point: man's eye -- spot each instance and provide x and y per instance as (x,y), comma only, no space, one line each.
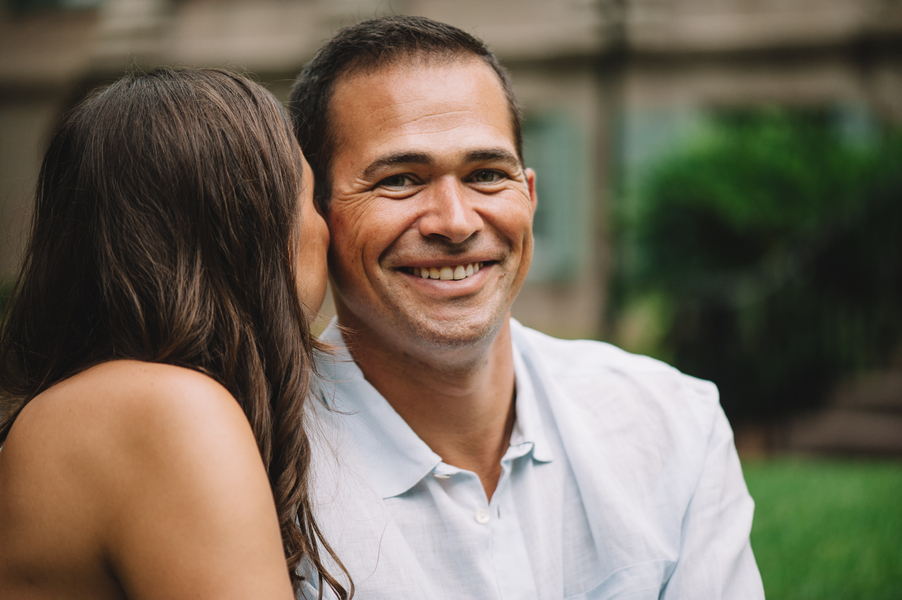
(487,176)
(396,181)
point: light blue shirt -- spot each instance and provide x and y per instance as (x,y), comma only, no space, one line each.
(621,481)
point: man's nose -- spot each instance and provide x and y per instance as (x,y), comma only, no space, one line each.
(449,214)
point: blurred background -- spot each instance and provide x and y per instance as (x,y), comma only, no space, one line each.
(720,186)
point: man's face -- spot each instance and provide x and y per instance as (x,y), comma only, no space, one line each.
(431,210)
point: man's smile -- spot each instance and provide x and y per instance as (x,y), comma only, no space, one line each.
(446,272)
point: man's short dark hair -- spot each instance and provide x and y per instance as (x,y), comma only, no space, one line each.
(368,46)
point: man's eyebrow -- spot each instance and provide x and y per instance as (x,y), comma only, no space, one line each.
(393,160)
(493,154)
(422,158)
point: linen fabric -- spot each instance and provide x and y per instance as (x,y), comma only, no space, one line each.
(621,481)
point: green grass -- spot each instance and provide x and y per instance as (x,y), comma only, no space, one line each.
(827,529)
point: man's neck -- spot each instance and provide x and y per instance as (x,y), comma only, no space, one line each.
(462,409)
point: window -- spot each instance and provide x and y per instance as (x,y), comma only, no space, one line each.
(553,148)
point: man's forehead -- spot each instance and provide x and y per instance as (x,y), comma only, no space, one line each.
(401,69)
(372,101)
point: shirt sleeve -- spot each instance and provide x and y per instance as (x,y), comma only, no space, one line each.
(716,559)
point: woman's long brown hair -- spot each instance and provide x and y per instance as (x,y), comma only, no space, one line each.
(166,224)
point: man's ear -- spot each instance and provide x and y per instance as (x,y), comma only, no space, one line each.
(531,184)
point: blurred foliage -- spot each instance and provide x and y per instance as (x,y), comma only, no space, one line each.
(767,257)
(827,529)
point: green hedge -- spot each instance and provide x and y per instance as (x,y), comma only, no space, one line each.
(770,251)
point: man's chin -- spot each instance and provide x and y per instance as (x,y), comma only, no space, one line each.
(423,332)
(456,334)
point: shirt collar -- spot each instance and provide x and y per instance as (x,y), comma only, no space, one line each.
(529,427)
(394,456)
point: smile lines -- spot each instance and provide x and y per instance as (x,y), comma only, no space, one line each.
(447,273)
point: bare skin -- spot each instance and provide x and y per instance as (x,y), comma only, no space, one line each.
(426,176)
(469,414)
(137,480)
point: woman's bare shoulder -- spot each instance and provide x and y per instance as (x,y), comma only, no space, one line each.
(112,407)
(107,428)
(110,462)
(124,385)
(121,418)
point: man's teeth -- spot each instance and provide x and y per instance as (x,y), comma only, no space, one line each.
(447,273)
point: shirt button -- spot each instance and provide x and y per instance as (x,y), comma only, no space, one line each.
(482,516)
(441,475)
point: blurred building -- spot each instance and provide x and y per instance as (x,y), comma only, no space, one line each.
(604,83)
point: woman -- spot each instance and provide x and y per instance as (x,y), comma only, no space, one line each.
(157,355)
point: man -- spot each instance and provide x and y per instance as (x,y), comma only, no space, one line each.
(467,456)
